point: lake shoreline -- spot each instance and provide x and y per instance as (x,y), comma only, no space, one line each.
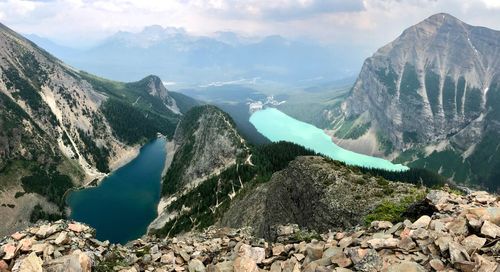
(278,126)
(133,190)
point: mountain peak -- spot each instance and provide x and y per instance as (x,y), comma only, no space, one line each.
(440,19)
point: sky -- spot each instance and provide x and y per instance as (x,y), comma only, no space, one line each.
(81,23)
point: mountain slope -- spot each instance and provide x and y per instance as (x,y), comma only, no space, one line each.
(319,194)
(432,94)
(215,177)
(206,144)
(61,128)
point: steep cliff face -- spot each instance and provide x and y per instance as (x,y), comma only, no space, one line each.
(155,88)
(315,193)
(61,128)
(206,144)
(433,89)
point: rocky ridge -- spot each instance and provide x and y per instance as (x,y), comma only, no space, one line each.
(62,128)
(430,96)
(320,194)
(463,235)
(205,144)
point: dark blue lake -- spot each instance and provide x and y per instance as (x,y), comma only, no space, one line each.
(124,204)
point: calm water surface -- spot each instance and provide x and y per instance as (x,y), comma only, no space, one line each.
(124,204)
(277,126)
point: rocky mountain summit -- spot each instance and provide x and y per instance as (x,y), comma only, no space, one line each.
(462,235)
(431,94)
(319,194)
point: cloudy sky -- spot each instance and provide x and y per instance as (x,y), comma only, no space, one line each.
(372,22)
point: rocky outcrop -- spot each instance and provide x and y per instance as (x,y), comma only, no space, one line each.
(318,193)
(157,89)
(433,89)
(206,143)
(460,236)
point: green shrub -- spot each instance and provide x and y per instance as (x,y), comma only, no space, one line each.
(392,211)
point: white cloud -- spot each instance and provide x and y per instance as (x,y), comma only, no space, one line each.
(493,4)
(370,23)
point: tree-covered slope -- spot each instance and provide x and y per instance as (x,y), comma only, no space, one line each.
(199,192)
(61,128)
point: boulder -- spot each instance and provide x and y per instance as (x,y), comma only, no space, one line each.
(406,244)
(9,250)
(77,262)
(32,263)
(341,260)
(406,267)
(332,251)
(484,264)
(458,254)
(394,228)
(285,230)
(458,226)
(62,238)
(383,243)
(196,265)
(490,230)
(345,242)
(422,222)
(437,265)
(472,243)
(46,230)
(437,197)
(443,243)
(18,236)
(278,249)
(314,251)
(77,227)
(226,266)
(275,267)
(245,264)
(381,225)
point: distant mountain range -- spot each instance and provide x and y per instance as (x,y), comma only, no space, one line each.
(431,99)
(188,61)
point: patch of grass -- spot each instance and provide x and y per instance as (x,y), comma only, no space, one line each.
(111,260)
(393,211)
(307,236)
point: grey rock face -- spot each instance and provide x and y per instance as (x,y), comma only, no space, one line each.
(318,194)
(431,81)
(213,144)
(436,84)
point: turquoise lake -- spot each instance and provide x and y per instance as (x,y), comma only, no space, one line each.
(277,126)
(124,204)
